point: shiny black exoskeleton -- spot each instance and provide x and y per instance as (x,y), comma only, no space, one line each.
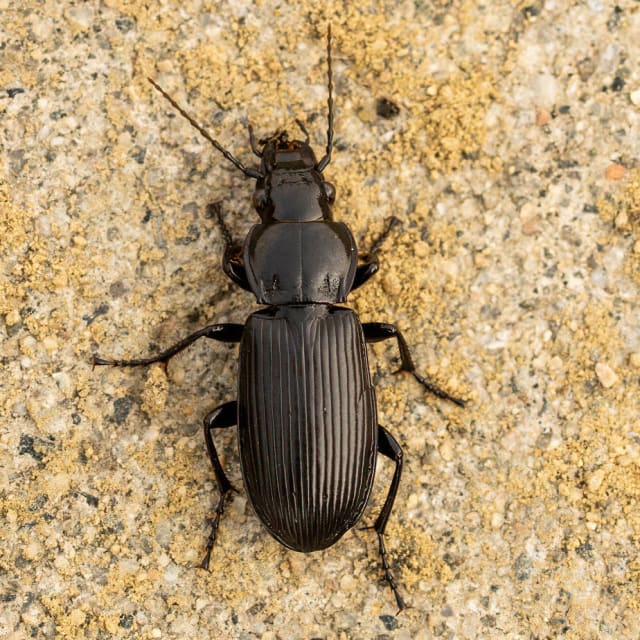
(306,412)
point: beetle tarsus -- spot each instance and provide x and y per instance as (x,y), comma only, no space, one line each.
(388,576)
(388,446)
(437,391)
(389,224)
(431,387)
(368,260)
(215,524)
(214,209)
(221,417)
(222,332)
(97,361)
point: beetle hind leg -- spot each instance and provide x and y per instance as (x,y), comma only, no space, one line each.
(221,417)
(389,447)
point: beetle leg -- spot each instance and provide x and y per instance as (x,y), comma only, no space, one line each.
(222,417)
(377,331)
(232,262)
(369,259)
(252,141)
(223,332)
(389,447)
(365,270)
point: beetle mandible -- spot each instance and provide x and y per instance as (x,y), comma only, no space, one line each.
(308,435)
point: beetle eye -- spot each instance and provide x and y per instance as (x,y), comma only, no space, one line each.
(330,192)
(259,199)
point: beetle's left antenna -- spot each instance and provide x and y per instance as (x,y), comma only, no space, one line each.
(251,173)
(327,157)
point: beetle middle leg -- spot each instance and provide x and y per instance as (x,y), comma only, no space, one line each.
(222,417)
(226,332)
(389,447)
(377,331)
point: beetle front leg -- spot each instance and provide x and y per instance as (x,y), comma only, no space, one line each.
(369,260)
(377,331)
(389,447)
(222,332)
(222,417)
(364,271)
(232,262)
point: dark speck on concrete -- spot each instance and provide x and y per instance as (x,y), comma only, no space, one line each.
(100,311)
(26,447)
(386,108)
(390,622)
(585,550)
(488,621)
(126,621)
(121,409)
(92,501)
(124,24)
(617,84)
(138,154)
(523,566)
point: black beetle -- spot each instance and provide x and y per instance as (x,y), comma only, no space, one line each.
(306,412)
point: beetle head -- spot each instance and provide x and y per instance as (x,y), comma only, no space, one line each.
(291,187)
(278,152)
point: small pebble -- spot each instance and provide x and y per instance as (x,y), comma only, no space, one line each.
(50,343)
(615,172)
(542,117)
(622,220)
(595,480)
(32,615)
(33,551)
(635,97)
(606,375)
(76,618)
(450,143)
(13,317)
(446,451)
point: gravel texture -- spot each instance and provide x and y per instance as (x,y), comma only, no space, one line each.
(504,135)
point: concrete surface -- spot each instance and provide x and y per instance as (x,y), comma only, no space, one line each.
(513,164)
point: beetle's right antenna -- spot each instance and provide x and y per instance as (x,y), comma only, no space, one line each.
(327,157)
(251,173)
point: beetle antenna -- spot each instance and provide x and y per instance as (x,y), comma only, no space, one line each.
(251,173)
(327,158)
